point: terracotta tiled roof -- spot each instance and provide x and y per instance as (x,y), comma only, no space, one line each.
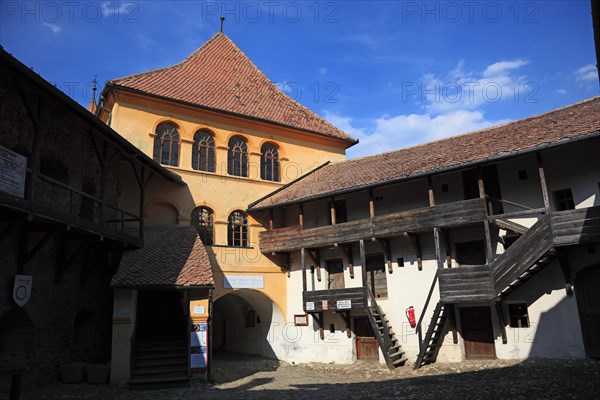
(571,122)
(172,255)
(221,77)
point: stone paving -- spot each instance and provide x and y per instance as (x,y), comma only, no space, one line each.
(249,377)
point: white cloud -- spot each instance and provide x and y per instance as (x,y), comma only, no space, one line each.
(503,67)
(53,27)
(395,132)
(586,74)
(561,91)
(117,7)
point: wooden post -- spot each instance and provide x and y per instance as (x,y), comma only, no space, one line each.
(363,262)
(543,181)
(486,224)
(302,259)
(315,261)
(271,219)
(301,215)
(438,250)
(371,204)
(430,189)
(332,210)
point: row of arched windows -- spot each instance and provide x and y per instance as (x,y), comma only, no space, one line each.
(166,152)
(237,227)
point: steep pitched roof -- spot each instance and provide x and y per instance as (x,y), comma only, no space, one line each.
(172,255)
(562,125)
(219,76)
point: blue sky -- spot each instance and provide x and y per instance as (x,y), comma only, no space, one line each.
(391,73)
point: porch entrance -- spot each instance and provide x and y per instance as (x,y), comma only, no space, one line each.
(477,332)
(367,348)
(588,302)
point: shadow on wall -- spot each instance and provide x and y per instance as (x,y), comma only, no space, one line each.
(245,321)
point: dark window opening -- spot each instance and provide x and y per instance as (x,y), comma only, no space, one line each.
(203,152)
(202,220)
(518,315)
(269,162)
(376,277)
(237,229)
(250,319)
(471,253)
(444,187)
(522,174)
(166,144)
(341,213)
(400,261)
(55,169)
(237,157)
(332,328)
(564,200)
(87,206)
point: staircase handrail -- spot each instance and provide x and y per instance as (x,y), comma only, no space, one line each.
(386,331)
(419,329)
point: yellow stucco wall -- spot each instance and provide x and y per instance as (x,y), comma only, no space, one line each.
(136,117)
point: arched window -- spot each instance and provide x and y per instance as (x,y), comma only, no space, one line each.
(237,229)
(237,157)
(166,144)
(203,152)
(202,220)
(269,162)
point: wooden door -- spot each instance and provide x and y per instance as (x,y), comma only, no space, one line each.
(477,332)
(335,270)
(367,347)
(376,277)
(588,301)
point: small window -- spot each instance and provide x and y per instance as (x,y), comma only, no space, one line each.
(300,320)
(203,152)
(237,157)
(522,175)
(518,315)
(202,220)
(166,144)
(400,261)
(269,162)
(564,200)
(238,229)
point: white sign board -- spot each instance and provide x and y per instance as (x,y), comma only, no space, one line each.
(310,306)
(13,168)
(199,345)
(243,282)
(344,304)
(198,309)
(22,289)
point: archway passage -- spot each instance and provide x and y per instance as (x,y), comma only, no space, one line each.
(588,302)
(248,322)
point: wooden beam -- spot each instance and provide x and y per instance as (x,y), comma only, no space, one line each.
(270,219)
(453,326)
(489,256)
(302,263)
(346,317)
(301,215)
(438,251)
(430,190)
(416,245)
(542,175)
(384,244)
(332,210)
(318,317)
(346,252)
(315,259)
(446,242)
(371,204)
(563,260)
(363,261)
(480,184)
(501,323)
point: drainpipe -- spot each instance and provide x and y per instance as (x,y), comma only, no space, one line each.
(210,336)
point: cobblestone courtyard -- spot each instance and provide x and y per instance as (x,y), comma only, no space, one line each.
(247,377)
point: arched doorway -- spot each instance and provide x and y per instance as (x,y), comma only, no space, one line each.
(249,322)
(588,302)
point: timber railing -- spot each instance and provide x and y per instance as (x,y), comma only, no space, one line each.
(419,327)
(383,226)
(383,337)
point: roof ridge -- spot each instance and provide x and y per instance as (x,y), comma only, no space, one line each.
(174,66)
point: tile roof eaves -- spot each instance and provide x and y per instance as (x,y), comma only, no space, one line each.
(160,286)
(350,139)
(352,189)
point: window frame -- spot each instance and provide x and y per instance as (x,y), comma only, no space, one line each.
(270,164)
(207,234)
(563,199)
(238,234)
(173,141)
(204,151)
(237,157)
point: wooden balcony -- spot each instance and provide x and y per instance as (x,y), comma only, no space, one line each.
(530,253)
(335,300)
(384,226)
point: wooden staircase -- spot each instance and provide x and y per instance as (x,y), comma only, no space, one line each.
(434,337)
(389,344)
(160,361)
